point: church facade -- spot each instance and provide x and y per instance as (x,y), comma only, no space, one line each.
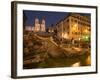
(39,26)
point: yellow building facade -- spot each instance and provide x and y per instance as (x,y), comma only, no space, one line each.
(74,26)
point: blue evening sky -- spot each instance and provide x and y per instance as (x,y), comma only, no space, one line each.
(50,17)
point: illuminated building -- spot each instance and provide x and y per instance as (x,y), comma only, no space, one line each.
(39,26)
(28,28)
(74,26)
(36,25)
(42,25)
